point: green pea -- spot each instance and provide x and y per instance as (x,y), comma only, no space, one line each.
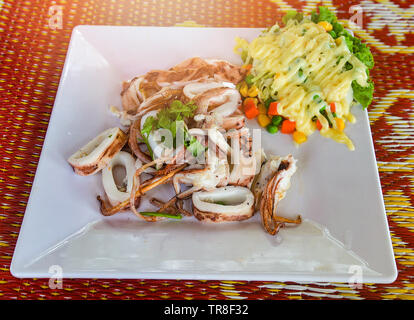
(272,128)
(249,79)
(277,120)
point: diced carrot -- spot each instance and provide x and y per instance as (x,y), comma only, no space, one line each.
(250,109)
(273,109)
(288,126)
(251,112)
(333,107)
(250,101)
(318,125)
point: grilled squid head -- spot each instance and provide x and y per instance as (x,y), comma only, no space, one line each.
(97,153)
(223,204)
(270,167)
(270,188)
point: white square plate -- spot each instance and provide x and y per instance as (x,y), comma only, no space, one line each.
(334,189)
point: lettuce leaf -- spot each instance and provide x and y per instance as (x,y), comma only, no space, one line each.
(324,15)
(363,95)
(292,14)
(363,53)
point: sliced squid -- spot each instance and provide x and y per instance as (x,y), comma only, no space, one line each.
(223,204)
(117,194)
(194,89)
(222,101)
(214,135)
(97,153)
(245,169)
(159,100)
(131,95)
(214,174)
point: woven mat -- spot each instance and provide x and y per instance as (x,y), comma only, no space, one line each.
(31,60)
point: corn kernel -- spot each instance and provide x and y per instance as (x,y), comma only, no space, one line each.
(263,120)
(340,124)
(262,108)
(299,137)
(253,91)
(326,25)
(244,89)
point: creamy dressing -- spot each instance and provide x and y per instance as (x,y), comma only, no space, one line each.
(303,66)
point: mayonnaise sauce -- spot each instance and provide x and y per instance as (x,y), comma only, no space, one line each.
(303,66)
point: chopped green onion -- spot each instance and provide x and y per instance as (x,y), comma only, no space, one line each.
(161,214)
(348,66)
(317,99)
(325,114)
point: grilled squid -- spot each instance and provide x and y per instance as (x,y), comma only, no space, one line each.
(131,95)
(97,153)
(192,90)
(117,194)
(223,204)
(222,101)
(246,160)
(214,174)
(270,188)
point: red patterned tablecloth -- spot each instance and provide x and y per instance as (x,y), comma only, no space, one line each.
(31,61)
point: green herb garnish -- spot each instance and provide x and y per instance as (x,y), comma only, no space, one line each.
(172,119)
